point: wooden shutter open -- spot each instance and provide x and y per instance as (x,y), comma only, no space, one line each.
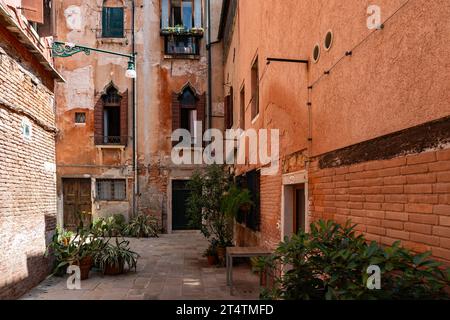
(33,10)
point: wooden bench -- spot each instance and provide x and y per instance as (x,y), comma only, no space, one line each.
(241,252)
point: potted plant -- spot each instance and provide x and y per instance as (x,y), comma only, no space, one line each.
(211,254)
(143,226)
(114,259)
(73,249)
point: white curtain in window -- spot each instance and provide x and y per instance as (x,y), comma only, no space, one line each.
(119,190)
(104,190)
(192,126)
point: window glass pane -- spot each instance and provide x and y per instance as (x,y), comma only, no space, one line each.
(181,45)
(112,22)
(80,117)
(104,189)
(198,13)
(176,19)
(119,190)
(187,14)
(164,13)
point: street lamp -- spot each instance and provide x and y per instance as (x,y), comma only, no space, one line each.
(131,71)
(67,49)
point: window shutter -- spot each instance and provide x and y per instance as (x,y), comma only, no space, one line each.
(124,118)
(33,10)
(198,13)
(201,108)
(227,111)
(46,29)
(112,22)
(98,121)
(164,14)
(176,113)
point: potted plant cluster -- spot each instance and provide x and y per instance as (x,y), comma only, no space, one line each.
(99,245)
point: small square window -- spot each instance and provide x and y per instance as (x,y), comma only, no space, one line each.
(80,117)
(111,190)
(27,129)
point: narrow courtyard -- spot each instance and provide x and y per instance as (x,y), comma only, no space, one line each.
(170,267)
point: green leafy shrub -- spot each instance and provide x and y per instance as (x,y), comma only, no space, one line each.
(70,248)
(109,227)
(213,203)
(143,226)
(331,263)
(117,256)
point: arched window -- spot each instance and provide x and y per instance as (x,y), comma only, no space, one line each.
(188,103)
(187,108)
(112,19)
(111,117)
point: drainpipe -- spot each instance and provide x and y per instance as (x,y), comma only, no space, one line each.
(208,47)
(135,157)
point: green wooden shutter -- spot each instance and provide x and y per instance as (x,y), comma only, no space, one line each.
(112,22)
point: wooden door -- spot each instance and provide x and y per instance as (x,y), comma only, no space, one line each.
(77,203)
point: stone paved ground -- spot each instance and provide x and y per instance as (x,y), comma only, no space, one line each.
(170,267)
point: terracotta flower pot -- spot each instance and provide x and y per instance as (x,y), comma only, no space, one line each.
(114,270)
(85,265)
(221,251)
(212,260)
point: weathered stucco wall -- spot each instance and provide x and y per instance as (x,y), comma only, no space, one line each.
(158,77)
(394,80)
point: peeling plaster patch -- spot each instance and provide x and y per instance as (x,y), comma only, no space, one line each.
(185,68)
(105,60)
(218,109)
(74,19)
(79,88)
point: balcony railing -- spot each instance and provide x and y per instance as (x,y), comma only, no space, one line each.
(111,140)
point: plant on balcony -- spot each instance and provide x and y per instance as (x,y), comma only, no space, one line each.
(331,262)
(142,226)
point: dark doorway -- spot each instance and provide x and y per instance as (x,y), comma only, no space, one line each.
(299,209)
(77,203)
(180,194)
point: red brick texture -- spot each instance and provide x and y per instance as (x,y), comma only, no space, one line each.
(405,198)
(27,178)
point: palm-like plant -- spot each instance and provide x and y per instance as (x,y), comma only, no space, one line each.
(116,257)
(143,226)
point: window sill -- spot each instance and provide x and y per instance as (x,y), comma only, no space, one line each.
(186,33)
(110,146)
(109,201)
(182,56)
(121,41)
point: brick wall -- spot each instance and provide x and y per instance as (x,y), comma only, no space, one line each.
(406,198)
(27,179)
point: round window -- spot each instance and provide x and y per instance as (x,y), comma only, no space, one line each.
(316,53)
(328,40)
